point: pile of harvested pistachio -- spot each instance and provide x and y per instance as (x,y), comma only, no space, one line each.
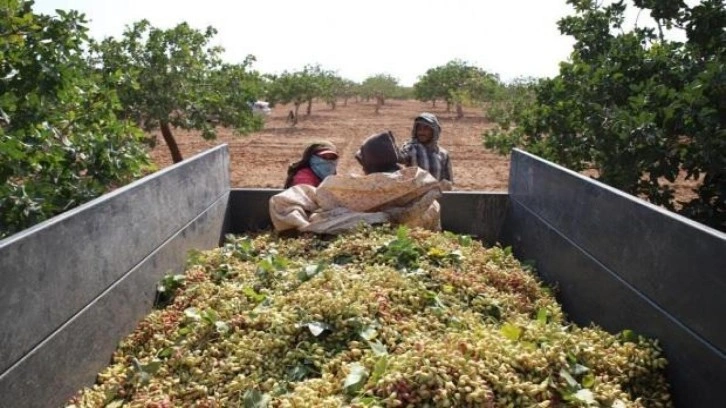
(377,317)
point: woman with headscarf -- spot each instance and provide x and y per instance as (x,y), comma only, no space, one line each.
(319,160)
(423,149)
(384,194)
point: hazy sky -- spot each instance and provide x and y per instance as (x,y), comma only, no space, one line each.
(357,38)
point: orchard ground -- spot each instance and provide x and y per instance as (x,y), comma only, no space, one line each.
(260,159)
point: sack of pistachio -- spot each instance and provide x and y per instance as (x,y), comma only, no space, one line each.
(377,317)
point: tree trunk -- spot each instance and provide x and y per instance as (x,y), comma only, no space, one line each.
(433,104)
(297,108)
(448,106)
(176,155)
(345,101)
(379,102)
(459,111)
(334,103)
(310,107)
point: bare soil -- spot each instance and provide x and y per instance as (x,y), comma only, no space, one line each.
(260,159)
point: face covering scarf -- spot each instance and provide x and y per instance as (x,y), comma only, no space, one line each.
(322,167)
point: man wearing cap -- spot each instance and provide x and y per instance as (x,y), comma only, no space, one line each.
(423,149)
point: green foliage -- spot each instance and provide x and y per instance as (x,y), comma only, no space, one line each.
(61,143)
(510,98)
(402,252)
(174,77)
(637,108)
(482,334)
(380,87)
(457,83)
(304,86)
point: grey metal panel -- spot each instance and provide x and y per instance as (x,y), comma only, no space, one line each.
(51,271)
(590,292)
(623,263)
(250,210)
(678,263)
(474,213)
(73,355)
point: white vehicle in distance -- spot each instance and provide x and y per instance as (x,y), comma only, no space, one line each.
(261,108)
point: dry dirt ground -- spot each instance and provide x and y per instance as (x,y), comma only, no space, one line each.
(260,159)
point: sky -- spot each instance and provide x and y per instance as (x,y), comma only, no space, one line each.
(357,39)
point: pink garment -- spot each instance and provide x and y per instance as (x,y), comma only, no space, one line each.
(305,176)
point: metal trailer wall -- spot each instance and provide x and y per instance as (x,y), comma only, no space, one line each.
(475,213)
(73,286)
(625,264)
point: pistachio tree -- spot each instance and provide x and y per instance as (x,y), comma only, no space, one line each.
(175,78)
(61,142)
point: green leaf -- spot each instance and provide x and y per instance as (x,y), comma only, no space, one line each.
(210,316)
(585,396)
(579,369)
(252,295)
(465,240)
(152,367)
(298,372)
(588,381)
(166,352)
(368,401)
(309,271)
(378,348)
(511,331)
(355,379)
(628,336)
(569,379)
(542,315)
(317,328)
(369,333)
(255,399)
(379,369)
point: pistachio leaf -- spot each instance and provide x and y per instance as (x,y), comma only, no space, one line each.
(317,328)
(511,331)
(255,399)
(309,271)
(369,333)
(628,335)
(542,315)
(585,396)
(569,379)
(379,369)
(378,348)
(355,379)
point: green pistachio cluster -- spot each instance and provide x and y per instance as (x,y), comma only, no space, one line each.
(378,317)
